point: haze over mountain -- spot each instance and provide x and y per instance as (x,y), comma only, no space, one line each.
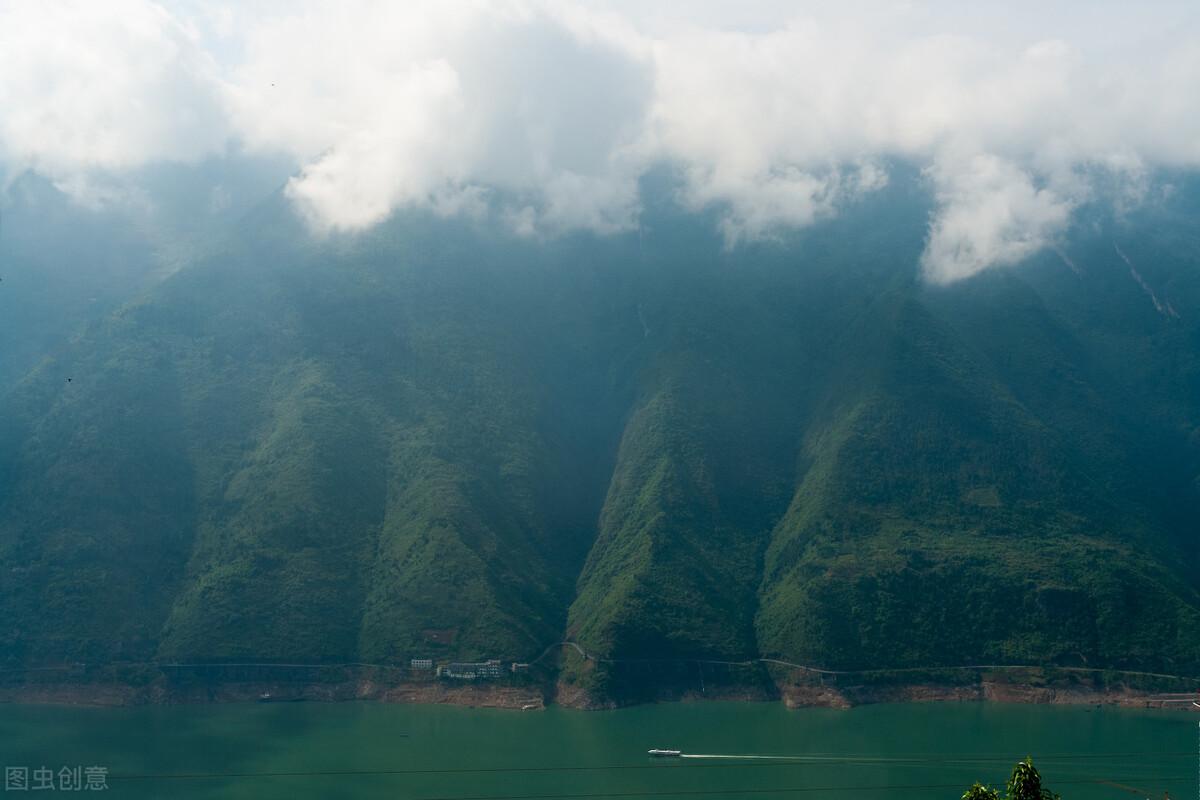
(477,352)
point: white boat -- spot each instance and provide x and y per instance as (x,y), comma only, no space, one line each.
(665,753)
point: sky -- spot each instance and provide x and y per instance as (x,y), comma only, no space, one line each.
(546,114)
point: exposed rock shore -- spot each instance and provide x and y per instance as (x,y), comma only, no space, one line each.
(484,695)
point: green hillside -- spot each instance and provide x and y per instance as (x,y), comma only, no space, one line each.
(438,439)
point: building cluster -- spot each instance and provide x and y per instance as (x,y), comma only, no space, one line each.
(469,670)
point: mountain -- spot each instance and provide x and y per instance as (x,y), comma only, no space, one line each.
(439,439)
(68,262)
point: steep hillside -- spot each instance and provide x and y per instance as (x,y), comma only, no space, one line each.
(439,439)
(941,520)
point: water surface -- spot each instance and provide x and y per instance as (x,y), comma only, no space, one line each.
(353,750)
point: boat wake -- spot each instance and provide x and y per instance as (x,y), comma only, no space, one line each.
(741,757)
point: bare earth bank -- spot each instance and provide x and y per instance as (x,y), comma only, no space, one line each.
(528,698)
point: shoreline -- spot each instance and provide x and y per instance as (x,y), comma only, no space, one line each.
(265,692)
(539,696)
(984,692)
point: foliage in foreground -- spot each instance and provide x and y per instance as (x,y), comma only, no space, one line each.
(1025,783)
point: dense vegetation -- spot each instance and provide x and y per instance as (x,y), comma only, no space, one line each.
(1025,783)
(436,439)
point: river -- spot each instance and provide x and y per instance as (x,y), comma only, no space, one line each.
(357,750)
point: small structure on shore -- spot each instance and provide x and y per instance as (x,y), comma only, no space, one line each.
(421,663)
(471,670)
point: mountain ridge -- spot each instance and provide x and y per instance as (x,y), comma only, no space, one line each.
(435,439)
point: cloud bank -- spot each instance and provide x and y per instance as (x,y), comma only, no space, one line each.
(87,88)
(547,114)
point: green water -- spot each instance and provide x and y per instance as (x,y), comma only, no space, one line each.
(353,750)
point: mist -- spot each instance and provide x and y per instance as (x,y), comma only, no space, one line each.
(547,115)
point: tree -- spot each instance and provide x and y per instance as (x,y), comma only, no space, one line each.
(980,792)
(1026,783)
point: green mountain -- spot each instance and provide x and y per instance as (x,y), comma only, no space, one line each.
(438,439)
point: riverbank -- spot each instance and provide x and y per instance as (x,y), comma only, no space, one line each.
(533,696)
(984,691)
(473,695)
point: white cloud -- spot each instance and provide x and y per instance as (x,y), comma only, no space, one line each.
(396,154)
(547,114)
(991,214)
(392,105)
(90,88)
(765,124)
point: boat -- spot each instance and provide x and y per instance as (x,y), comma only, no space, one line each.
(664,753)
(267,697)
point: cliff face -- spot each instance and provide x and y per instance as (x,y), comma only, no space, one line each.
(437,440)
